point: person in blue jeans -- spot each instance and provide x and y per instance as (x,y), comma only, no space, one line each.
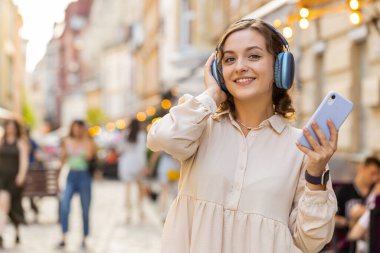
(77,150)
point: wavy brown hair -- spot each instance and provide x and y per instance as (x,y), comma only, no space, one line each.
(18,127)
(282,102)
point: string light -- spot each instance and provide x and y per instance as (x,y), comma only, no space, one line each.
(304,12)
(110,126)
(354,5)
(166,104)
(288,32)
(150,110)
(94,131)
(304,23)
(155,119)
(121,124)
(355,18)
(141,116)
(277,23)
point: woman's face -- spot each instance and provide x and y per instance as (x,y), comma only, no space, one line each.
(78,130)
(10,128)
(247,66)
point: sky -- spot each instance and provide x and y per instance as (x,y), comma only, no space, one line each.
(39,17)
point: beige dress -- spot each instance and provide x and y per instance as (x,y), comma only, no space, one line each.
(239,194)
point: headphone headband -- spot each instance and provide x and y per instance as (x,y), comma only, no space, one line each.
(279,35)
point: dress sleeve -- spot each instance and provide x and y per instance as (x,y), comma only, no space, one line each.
(312,216)
(179,131)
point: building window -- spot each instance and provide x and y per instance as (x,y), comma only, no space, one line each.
(186,16)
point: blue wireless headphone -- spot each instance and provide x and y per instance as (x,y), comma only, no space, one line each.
(283,67)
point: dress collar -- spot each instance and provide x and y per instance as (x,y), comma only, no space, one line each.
(275,121)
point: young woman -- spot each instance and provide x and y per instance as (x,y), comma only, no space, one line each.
(242,187)
(77,150)
(132,163)
(13,170)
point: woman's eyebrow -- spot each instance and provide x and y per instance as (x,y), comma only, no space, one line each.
(247,49)
(253,47)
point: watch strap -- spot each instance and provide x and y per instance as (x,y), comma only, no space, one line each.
(321,180)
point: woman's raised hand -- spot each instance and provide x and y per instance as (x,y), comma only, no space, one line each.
(212,87)
(321,153)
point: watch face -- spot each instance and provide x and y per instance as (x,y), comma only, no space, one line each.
(325,177)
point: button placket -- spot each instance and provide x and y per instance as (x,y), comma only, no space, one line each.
(239,177)
(233,197)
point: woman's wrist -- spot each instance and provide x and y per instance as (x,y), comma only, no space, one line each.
(316,187)
(216,94)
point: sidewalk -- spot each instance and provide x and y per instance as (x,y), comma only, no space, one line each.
(109,231)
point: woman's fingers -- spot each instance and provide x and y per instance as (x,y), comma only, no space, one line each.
(207,67)
(210,59)
(333,134)
(312,141)
(321,136)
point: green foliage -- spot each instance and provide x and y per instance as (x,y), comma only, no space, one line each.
(96,116)
(27,112)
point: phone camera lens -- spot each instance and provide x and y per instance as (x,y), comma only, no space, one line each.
(333,96)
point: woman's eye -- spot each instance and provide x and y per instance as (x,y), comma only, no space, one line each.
(229,59)
(254,56)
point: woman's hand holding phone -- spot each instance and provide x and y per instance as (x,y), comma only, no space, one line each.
(320,135)
(321,153)
(212,87)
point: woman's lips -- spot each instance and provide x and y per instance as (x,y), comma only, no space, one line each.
(244,81)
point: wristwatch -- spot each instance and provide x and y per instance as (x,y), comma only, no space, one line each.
(322,180)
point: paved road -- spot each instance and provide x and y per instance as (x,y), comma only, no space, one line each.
(109,231)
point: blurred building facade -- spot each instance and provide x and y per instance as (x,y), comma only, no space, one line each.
(12,60)
(128,53)
(72,101)
(45,86)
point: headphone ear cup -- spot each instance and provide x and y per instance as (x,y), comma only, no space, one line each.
(220,77)
(284,70)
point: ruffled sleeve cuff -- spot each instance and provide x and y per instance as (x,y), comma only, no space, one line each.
(207,101)
(315,197)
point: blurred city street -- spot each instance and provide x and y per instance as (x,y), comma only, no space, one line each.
(109,231)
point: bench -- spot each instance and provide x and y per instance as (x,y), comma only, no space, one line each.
(41,183)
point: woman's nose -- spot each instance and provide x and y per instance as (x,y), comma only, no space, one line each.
(241,65)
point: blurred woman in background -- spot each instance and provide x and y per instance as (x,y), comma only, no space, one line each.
(77,150)
(13,170)
(132,163)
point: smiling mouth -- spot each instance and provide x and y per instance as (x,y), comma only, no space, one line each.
(244,81)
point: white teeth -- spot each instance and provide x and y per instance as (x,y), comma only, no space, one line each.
(242,80)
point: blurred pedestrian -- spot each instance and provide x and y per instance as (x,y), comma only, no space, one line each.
(110,163)
(132,162)
(167,170)
(359,231)
(13,170)
(352,199)
(77,150)
(34,163)
(245,185)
